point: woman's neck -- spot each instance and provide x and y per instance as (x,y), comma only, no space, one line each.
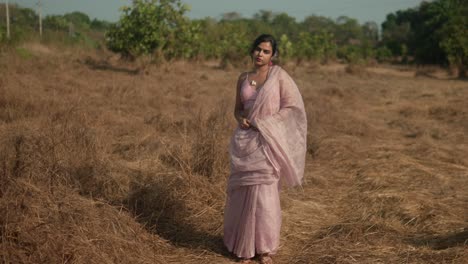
(262,69)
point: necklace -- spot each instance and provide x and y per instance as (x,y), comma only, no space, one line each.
(254,83)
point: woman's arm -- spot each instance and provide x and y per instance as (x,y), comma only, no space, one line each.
(239,107)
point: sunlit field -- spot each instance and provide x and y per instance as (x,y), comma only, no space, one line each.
(107,161)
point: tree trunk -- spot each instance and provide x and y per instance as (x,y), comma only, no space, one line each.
(40,19)
(462,71)
(7,19)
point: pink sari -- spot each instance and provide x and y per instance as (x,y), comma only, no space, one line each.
(259,160)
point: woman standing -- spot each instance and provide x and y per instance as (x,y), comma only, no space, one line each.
(267,149)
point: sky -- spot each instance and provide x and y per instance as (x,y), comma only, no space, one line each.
(362,10)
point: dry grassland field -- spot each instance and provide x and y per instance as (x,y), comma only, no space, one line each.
(105,161)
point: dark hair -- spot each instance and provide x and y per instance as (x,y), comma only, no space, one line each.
(265,38)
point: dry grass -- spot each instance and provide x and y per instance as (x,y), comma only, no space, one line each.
(104,161)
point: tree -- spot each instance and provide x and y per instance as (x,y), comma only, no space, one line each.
(395,33)
(283,24)
(285,47)
(264,15)
(320,45)
(435,32)
(99,25)
(370,31)
(233,41)
(347,30)
(78,19)
(56,23)
(450,18)
(383,54)
(318,23)
(149,27)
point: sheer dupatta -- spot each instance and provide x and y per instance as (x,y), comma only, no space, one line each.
(279,115)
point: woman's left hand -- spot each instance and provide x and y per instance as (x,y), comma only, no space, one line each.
(244,123)
(252,126)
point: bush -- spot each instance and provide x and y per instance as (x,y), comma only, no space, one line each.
(286,47)
(320,45)
(383,54)
(56,22)
(152,27)
(350,53)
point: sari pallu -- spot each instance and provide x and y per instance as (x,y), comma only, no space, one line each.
(259,161)
(280,117)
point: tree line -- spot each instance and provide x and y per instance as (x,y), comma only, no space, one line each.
(75,27)
(435,32)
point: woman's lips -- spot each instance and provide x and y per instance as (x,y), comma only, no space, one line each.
(258,59)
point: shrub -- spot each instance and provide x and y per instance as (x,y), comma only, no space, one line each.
(152,26)
(383,54)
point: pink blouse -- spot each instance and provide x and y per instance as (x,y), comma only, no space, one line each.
(248,94)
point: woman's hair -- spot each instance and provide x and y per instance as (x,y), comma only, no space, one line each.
(265,38)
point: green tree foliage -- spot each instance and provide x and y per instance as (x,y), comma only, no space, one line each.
(78,19)
(286,47)
(99,25)
(185,42)
(435,32)
(396,29)
(56,23)
(234,40)
(348,30)
(22,22)
(314,24)
(152,26)
(350,53)
(314,38)
(383,54)
(370,31)
(283,24)
(305,49)
(319,45)
(265,16)
(450,18)
(25,17)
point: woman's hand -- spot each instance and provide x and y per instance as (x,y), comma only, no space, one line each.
(244,123)
(252,125)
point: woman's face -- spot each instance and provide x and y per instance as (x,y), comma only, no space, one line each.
(262,54)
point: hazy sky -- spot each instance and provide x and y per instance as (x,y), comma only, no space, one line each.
(363,10)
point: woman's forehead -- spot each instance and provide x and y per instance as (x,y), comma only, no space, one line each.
(265,45)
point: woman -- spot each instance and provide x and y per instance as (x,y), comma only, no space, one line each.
(267,147)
